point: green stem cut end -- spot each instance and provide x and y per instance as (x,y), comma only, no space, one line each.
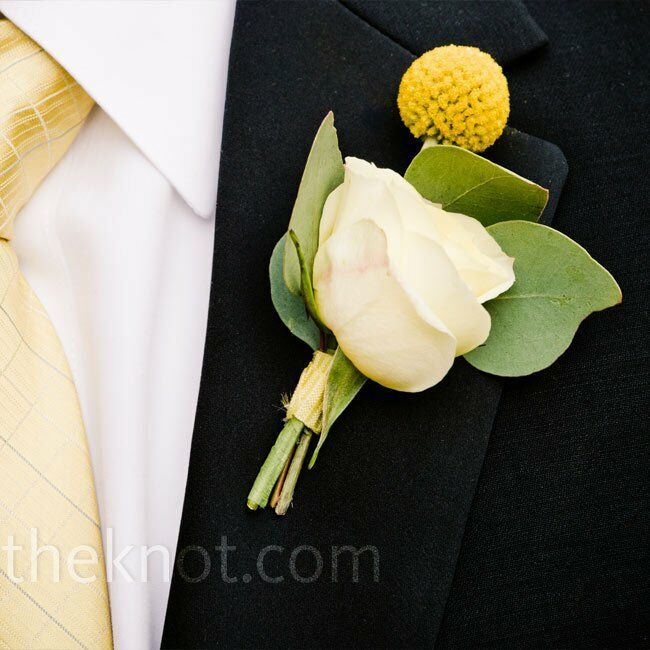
(273,465)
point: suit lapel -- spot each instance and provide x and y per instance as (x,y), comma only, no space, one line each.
(399,471)
(504,29)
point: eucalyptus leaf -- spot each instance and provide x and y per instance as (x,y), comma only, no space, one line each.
(558,284)
(465,182)
(306,288)
(290,308)
(343,383)
(323,173)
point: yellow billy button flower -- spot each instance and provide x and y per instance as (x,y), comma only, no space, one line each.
(455,95)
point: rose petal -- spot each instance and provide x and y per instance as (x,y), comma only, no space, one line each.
(486,269)
(391,337)
(427,271)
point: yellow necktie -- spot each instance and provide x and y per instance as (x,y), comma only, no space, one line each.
(52,582)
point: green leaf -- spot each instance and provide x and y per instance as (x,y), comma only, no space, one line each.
(343,383)
(290,308)
(323,173)
(464,182)
(558,284)
(306,288)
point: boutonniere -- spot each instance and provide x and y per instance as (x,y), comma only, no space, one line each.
(390,277)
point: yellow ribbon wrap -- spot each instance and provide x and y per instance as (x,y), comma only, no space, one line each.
(306,402)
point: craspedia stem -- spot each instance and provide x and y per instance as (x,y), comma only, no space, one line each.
(286,496)
(275,497)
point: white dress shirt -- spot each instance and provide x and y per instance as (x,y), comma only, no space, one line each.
(117,243)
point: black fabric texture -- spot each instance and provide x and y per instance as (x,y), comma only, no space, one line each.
(398,472)
(557,547)
(504,29)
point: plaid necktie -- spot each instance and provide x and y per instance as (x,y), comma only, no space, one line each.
(52,582)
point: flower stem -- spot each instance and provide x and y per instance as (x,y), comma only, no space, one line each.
(286,495)
(278,486)
(275,461)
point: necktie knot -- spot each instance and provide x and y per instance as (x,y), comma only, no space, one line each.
(41,110)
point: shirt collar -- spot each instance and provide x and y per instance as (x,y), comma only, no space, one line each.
(159,69)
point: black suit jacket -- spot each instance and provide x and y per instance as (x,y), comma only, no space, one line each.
(551,548)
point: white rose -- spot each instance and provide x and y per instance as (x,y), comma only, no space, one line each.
(400,282)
